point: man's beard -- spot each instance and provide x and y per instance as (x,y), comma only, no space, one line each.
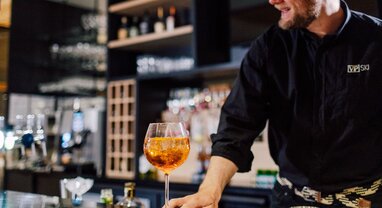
(298,21)
(302,20)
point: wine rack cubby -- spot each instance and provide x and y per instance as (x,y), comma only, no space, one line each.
(120,143)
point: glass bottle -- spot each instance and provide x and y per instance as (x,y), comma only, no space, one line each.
(123,31)
(40,133)
(78,130)
(40,142)
(170,20)
(78,117)
(106,196)
(159,25)
(145,26)
(129,200)
(183,17)
(134,30)
(27,140)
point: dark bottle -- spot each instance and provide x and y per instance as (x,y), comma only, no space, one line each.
(183,17)
(159,25)
(145,25)
(129,200)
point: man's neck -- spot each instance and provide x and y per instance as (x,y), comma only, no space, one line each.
(329,20)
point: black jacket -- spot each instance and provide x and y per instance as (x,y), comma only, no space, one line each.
(323,101)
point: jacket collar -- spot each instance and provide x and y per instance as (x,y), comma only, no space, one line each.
(347,13)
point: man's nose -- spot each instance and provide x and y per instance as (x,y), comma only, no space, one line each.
(273,2)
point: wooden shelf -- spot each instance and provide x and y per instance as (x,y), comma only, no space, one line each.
(155,41)
(229,69)
(137,7)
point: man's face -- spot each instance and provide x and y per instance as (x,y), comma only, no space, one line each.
(297,13)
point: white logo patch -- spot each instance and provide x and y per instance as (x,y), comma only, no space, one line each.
(358,68)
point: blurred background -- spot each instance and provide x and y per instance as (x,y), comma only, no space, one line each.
(80,80)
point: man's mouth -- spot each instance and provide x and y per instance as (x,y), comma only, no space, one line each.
(285,11)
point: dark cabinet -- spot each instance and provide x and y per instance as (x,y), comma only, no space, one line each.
(47,183)
(51,51)
(205,38)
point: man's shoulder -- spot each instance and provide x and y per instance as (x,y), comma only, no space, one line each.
(273,37)
(365,20)
(273,33)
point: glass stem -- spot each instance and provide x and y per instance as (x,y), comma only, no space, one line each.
(166,190)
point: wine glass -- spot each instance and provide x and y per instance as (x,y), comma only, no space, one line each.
(77,187)
(166,147)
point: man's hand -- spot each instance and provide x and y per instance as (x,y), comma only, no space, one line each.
(201,199)
(218,175)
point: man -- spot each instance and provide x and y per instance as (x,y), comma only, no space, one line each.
(317,79)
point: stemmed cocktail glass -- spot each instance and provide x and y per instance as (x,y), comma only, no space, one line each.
(166,147)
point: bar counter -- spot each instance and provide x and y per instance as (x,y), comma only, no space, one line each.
(13,199)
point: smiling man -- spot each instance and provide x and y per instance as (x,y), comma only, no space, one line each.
(316,78)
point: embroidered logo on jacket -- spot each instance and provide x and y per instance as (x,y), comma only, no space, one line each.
(358,68)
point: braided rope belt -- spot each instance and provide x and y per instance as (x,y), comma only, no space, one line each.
(346,196)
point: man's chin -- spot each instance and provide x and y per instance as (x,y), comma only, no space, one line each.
(295,23)
(288,25)
(285,25)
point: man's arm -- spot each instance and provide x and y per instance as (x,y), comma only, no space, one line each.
(243,117)
(220,171)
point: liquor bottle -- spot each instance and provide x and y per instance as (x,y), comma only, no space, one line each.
(129,200)
(123,31)
(28,140)
(78,134)
(145,26)
(106,197)
(134,30)
(40,141)
(78,117)
(183,17)
(28,137)
(170,20)
(159,25)
(102,29)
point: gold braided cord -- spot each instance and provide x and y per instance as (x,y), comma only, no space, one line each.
(327,200)
(363,191)
(348,203)
(342,196)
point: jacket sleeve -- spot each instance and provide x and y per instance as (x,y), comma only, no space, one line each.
(244,114)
